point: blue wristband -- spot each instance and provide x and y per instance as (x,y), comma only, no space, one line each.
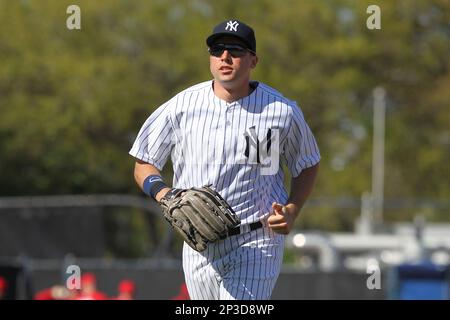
(153,184)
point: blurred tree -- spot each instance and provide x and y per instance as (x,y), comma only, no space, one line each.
(71,102)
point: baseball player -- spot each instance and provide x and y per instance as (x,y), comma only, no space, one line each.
(232,133)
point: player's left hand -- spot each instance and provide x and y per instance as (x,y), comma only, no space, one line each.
(282,219)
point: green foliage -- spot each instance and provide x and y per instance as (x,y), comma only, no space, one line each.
(72,102)
(127,233)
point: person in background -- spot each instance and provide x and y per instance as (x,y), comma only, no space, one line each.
(183,294)
(126,290)
(56,292)
(3,286)
(89,288)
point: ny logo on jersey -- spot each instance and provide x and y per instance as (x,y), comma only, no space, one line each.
(232,26)
(264,152)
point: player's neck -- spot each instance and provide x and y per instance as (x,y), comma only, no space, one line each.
(231,94)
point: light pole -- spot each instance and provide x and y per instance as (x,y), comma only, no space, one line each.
(379,111)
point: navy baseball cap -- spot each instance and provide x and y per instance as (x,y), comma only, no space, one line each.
(236,29)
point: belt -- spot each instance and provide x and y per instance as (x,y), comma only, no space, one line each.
(245,228)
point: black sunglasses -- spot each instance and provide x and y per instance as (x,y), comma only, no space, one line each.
(235,50)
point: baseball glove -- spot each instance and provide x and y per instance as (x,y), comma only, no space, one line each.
(200,215)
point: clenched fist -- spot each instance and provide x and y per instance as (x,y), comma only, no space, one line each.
(283,217)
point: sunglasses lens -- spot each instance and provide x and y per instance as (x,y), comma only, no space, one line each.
(235,50)
(216,51)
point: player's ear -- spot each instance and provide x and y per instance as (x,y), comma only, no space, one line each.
(254,61)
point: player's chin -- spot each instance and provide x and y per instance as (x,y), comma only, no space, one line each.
(228,78)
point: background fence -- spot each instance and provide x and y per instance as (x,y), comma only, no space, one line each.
(41,236)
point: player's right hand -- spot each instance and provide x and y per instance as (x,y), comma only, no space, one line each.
(282,219)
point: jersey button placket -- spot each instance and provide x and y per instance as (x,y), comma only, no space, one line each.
(226,129)
(229,142)
(229,113)
(220,136)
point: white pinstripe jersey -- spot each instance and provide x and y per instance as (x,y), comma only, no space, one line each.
(224,144)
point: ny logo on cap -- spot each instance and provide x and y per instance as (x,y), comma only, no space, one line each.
(231,26)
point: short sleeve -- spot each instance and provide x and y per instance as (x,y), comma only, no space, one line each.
(154,141)
(300,148)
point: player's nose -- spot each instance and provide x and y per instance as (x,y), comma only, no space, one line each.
(225,55)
